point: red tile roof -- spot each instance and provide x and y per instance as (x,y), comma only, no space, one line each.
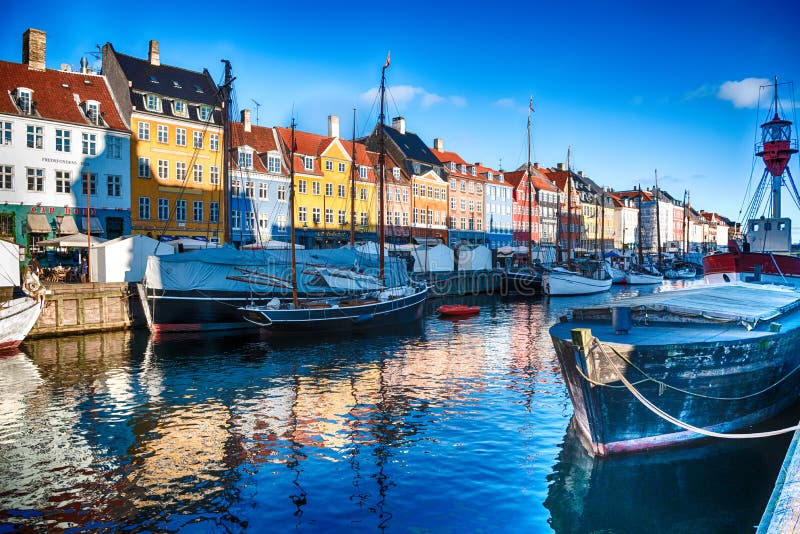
(53,100)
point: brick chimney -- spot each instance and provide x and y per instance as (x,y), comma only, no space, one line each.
(535,164)
(399,124)
(560,166)
(34,46)
(246,120)
(152,55)
(333,126)
(438,144)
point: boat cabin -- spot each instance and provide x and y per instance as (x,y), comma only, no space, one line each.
(769,234)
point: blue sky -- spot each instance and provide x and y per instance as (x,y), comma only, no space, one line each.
(631,87)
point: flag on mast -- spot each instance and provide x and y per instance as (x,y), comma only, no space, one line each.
(387,59)
(530,105)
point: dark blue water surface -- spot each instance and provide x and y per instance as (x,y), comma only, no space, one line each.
(446,426)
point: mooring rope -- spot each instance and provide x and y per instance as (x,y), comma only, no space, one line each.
(667,417)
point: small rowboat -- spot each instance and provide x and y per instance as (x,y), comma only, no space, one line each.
(458,309)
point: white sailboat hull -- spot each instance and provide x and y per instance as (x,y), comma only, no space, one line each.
(561,282)
(17,317)
(642,279)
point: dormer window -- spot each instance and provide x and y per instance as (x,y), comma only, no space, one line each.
(152,103)
(205,113)
(308,163)
(451,166)
(472,171)
(92,108)
(180,108)
(462,168)
(490,176)
(396,172)
(245,159)
(24,100)
(362,171)
(274,163)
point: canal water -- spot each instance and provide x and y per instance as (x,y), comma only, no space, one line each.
(446,426)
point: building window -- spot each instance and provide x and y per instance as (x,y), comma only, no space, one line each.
(245,159)
(5,133)
(213,212)
(114,185)
(282,192)
(197,171)
(180,108)
(144,131)
(328,190)
(281,221)
(315,189)
(362,172)
(452,203)
(263,191)
(436,193)
(263,223)
(479,206)
(205,113)
(63,140)
(35,179)
(480,188)
(363,194)
(430,192)
(405,218)
(463,204)
(24,101)
(342,191)
(197,210)
(6,177)
(416,215)
(213,142)
(328,216)
(341,167)
(249,190)
(63,182)
(180,210)
(416,190)
(152,103)
(463,223)
(342,217)
(364,218)
(180,136)
(316,215)
(396,172)
(302,186)
(144,167)
(480,225)
(273,164)
(236,188)
(236,219)
(113,147)
(162,133)
(163,169)
(472,187)
(405,196)
(144,208)
(197,138)
(213,175)
(328,165)
(163,209)
(308,163)
(302,214)
(180,170)
(35,136)
(92,183)
(93,112)
(471,205)
(89,144)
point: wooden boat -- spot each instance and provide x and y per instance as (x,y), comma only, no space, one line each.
(560,281)
(677,366)
(17,317)
(456,310)
(636,277)
(680,272)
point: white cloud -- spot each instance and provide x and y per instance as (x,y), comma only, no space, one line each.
(744,93)
(505,103)
(405,94)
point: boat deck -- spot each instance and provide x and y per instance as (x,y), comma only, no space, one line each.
(697,315)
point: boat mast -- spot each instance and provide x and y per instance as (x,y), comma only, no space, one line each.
(639,225)
(595,226)
(603,226)
(291,212)
(685,222)
(381,164)
(353,187)
(530,190)
(226,120)
(569,210)
(658,221)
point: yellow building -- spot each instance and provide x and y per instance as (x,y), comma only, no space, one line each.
(177,145)
(322,206)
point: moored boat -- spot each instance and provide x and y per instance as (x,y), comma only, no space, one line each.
(677,366)
(560,281)
(455,310)
(17,317)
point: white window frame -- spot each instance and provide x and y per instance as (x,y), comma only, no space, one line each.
(213,142)
(197,139)
(144,131)
(180,136)
(197,173)
(152,102)
(180,171)
(63,140)
(213,175)
(273,163)
(63,182)
(180,210)
(113,147)
(6,133)
(89,144)
(144,208)
(163,169)
(162,133)
(35,136)
(180,108)
(308,163)
(144,167)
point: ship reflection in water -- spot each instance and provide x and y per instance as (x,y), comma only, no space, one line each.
(443,426)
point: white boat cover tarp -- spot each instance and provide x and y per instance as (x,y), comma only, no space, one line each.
(474,258)
(434,259)
(264,271)
(9,264)
(124,259)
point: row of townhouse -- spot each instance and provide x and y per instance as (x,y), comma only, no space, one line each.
(142,149)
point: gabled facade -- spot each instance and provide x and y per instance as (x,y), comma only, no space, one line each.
(259,190)
(398,200)
(429,207)
(626,216)
(177,148)
(524,214)
(498,204)
(465,196)
(570,225)
(64,152)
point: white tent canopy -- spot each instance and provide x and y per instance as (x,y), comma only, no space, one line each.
(272,244)
(9,264)
(471,258)
(191,244)
(435,259)
(71,241)
(124,259)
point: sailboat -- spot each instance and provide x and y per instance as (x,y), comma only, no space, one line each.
(17,315)
(585,278)
(394,300)
(639,274)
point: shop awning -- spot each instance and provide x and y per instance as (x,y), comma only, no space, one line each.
(66,225)
(97,228)
(38,224)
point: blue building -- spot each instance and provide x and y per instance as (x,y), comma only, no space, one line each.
(499,205)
